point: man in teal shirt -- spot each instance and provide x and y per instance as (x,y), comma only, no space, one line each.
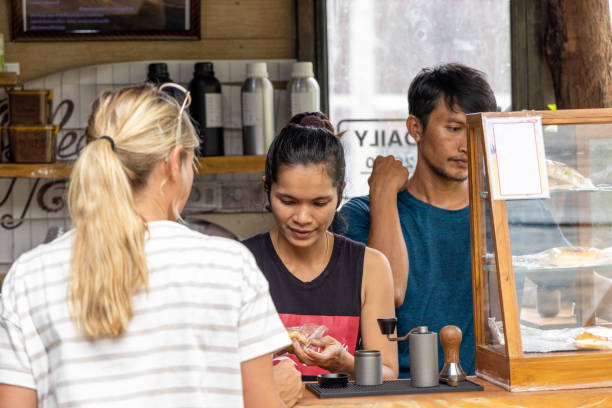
(422,223)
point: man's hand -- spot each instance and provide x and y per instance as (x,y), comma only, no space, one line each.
(288,382)
(388,176)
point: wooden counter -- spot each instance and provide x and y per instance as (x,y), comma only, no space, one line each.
(492,397)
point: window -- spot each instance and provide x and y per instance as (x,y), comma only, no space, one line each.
(375,48)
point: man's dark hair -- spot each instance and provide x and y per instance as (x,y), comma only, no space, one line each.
(461,86)
(307,139)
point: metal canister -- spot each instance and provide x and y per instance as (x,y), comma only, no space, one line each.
(303,89)
(423,349)
(368,367)
(257,96)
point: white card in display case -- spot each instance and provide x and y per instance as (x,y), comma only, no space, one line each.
(516,158)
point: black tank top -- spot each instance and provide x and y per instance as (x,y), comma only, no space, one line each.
(332,299)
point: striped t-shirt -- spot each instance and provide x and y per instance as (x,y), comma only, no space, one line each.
(207,310)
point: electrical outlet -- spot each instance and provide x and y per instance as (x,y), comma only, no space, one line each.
(225,196)
(203,197)
(242,197)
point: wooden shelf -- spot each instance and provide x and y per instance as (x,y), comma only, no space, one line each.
(50,170)
(208,165)
(8,78)
(565,318)
(232,164)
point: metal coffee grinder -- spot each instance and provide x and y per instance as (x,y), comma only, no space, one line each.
(423,349)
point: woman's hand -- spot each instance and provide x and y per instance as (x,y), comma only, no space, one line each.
(332,357)
(288,382)
(258,385)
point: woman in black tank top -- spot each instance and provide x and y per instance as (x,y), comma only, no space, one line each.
(317,277)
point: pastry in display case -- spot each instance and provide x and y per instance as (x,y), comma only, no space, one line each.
(542,267)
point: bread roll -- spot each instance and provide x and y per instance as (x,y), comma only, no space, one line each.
(562,176)
(588,340)
(303,340)
(575,256)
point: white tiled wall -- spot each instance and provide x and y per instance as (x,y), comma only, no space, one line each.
(36,221)
(223,192)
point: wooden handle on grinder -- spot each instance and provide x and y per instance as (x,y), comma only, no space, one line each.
(450,337)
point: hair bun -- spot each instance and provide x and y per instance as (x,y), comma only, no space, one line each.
(312,120)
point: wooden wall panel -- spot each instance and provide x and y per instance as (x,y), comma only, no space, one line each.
(224,19)
(253,29)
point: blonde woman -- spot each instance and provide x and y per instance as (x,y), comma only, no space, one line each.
(130,308)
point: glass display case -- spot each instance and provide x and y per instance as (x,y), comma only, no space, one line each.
(542,268)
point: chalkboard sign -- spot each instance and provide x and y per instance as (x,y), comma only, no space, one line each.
(72,20)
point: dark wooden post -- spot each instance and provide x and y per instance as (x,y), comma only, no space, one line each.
(579,53)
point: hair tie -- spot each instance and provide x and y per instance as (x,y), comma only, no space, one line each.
(312,120)
(110,140)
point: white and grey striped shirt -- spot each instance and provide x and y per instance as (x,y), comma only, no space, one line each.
(207,310)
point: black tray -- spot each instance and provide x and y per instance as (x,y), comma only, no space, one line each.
(392,387)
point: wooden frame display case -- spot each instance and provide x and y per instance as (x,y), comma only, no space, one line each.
(542,268)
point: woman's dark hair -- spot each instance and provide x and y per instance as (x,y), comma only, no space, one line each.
(461,86)
(308,139)
(315,119)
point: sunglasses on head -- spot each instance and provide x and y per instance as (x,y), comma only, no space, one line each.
(181,96)
(178,93)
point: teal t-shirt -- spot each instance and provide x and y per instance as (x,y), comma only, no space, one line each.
(439,288)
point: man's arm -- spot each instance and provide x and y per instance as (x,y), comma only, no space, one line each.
(388,178)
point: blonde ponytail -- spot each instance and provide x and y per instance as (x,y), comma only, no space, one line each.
(108,265)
